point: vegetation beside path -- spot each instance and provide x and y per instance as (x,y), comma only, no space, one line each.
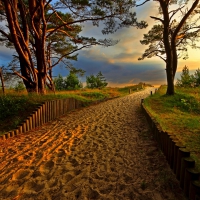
(17,106)
(178,114)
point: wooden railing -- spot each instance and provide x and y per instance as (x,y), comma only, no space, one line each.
(178,158)
(44,113)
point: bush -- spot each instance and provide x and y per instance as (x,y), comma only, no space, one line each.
(19,87)
(10,105)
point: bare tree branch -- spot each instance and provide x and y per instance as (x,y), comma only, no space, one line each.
(142,3)
(184,19)
(78,21)
(175,11)
(156,18)
(69,54)
(161,57)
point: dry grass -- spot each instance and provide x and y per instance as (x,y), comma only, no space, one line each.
(16,106)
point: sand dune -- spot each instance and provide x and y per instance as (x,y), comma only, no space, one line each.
(102,152)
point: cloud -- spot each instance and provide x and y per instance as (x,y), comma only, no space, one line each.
(6,55)
(122,73)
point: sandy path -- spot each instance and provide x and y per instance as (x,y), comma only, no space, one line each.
(99,152)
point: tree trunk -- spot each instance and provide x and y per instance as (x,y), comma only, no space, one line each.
(28,82)
(41,65)
(42,83)
(170,80)
(168,48)
(40,38)
(2,81)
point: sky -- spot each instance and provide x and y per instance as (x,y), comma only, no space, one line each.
(119,64)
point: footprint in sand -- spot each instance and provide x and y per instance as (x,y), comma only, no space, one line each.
(67,177)
(9,191)
(93,194)
(52,182)
(61,153)
(21,174)
(46,167)
(33,187)
(23,157)
(36,174)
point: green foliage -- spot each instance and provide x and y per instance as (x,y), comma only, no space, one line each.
(184,102)
(91,81)
(19,86)
(196,77)
(101,81)
(9,106)
(59,83)
(97,81)
(185,80)
(71,82)
(15,107)
(188,80)
(178,114)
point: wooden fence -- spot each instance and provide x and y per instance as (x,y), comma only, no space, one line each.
(44,113)
(178,157)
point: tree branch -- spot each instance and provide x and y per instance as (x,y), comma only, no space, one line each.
(6,35)
(85,46)
(161,57)
(142,3)
(18,74)
(194,5)
(175,11)
(43,32)
(156,18)
(78,21)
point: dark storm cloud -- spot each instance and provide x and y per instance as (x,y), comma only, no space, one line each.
(122,73)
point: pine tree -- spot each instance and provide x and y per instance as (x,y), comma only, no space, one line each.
(59,83)
(186,80)
(97,81)
(101,81)
(197,77)
(72,82)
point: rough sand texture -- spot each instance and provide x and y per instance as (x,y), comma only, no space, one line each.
(103,152)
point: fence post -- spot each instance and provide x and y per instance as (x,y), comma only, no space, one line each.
(30,122)
(194,189)
(16,132)
(171,149)
(182,152)
(168,135)
(185,163)
(191,174)
(24,126)
(12,133)
(173,143)
(176,147)
(27,125)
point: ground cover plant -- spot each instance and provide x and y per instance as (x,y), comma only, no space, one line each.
(179,114)
(17,106)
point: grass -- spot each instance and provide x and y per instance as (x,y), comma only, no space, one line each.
(179,114)
(17,106)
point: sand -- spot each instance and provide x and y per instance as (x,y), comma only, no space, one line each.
(104,151)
